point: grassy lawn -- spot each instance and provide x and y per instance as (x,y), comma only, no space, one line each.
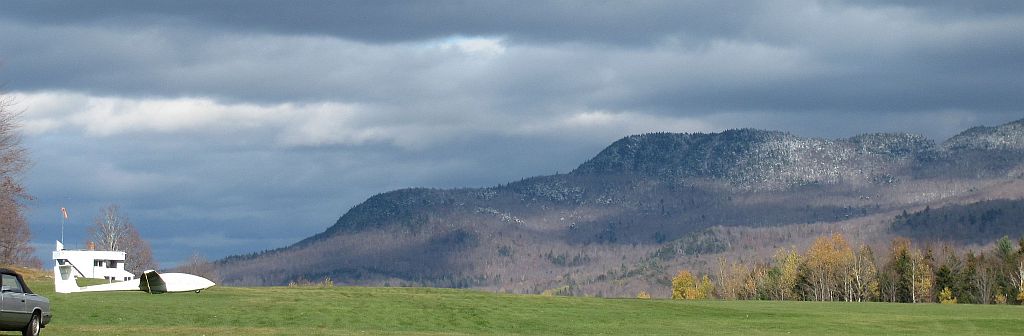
(430,311)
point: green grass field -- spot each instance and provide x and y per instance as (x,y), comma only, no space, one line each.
(428,311)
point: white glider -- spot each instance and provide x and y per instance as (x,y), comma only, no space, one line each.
(150,282)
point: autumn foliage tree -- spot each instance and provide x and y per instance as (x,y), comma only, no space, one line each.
(787,265)
(706,288)
(681,284)
(922,278)
(14,231)
(686,287)
(828,265)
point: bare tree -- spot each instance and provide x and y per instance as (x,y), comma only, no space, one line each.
(139,256)
(865,275)
(112,231)
(985,279)
(14,231)
(198,265)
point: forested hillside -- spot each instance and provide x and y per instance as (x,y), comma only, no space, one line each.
(967,223)
(651,204)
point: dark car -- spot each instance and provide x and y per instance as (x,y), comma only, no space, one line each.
(20,309)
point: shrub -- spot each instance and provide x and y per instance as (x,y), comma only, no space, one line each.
(946,296)
(560,291)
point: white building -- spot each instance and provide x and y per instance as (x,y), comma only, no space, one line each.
(108,265)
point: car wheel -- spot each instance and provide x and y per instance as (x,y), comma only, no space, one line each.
(32,329)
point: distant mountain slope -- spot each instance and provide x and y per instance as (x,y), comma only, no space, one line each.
(1008,137)
(753,160)
(606,228)
(974,223)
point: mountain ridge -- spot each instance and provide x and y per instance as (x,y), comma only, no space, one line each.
(1009,136)
(635,197)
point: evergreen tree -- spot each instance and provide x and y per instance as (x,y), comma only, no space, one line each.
(897,277)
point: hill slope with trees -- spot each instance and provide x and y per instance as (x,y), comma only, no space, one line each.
(649,205)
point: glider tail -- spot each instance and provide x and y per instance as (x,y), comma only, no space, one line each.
(64,279)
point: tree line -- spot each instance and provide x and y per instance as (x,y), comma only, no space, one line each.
(831,269)
(973,223)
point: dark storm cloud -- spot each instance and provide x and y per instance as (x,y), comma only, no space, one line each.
(398,21)
(680,57)
(949,8)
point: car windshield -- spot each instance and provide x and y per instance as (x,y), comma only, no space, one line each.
(11,282)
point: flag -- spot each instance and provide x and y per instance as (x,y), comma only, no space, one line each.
(65,212)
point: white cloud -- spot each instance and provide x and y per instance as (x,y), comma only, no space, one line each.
(613,124)
(291,124)
(107,116)
(476,46)
(330,124)
(310,124)
(41,125)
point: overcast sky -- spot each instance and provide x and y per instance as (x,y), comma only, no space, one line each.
(237,126)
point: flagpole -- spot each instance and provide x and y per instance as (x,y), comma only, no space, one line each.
(64,220)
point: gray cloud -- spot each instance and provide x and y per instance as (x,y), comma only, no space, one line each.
(373,21)
(230,127)
(852,59)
